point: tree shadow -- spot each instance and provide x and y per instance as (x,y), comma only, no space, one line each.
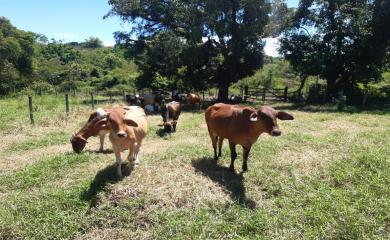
(332,108)
(105,151)
(161,132)
(232,182)
(105,176)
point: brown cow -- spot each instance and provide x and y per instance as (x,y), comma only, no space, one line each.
(170,113)
(241,125)
(80,139)
(128,127)
(193,99)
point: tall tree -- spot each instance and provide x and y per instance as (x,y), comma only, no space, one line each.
(224,38)
(92,42)
(338,40)
(16,56)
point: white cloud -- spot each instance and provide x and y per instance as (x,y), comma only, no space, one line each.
(271,46)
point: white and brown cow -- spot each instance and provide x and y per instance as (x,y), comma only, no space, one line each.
(128,127)
(241,125)
(80,139)
(170,113)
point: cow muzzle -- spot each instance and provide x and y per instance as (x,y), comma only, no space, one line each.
(276,133)
(121,134)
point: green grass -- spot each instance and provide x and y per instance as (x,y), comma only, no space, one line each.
(326,177)
(49,139)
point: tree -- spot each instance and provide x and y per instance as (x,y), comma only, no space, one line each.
(223,38)
(16,56)
(338,40)
(92,42)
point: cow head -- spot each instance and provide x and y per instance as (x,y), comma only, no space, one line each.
(266,116)
(78,143)
(116,122)
(168,127)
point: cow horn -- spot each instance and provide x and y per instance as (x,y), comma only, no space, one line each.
(101,113)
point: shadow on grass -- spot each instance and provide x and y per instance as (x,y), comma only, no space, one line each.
(161,132)
(332,108)
(105,151)
(230,181)
(102,178)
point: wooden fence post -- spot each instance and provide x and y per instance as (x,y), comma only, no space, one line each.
(285,94)
(30,106)
(124,96)
(92,102)
(110,98)
(67,103)
(246,89)
(264,92)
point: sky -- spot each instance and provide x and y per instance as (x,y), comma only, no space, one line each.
(76,20)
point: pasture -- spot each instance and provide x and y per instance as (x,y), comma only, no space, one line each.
(326,177)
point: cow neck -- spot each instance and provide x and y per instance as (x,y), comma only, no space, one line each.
(87,131)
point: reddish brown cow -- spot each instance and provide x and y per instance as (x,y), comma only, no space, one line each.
(193,99)
(241,125)
(79,139)
(128,127)
(170,113)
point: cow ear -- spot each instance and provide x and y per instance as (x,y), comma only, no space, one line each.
(131,123)
(101,124)
(253,117)
(284,116)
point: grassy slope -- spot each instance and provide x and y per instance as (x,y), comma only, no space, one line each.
(326,177)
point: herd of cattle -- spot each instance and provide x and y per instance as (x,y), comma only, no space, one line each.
(127,127)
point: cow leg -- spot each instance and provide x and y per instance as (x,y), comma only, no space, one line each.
(245,154)
(220,142)
(214,140)
(136,151)
(131,157)
(118,163)
(101,136)
(233,155)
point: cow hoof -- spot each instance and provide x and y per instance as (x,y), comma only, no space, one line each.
(231,169)
(245,169)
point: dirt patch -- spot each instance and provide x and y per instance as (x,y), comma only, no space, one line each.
(169,185)
(113,233)
(23,159)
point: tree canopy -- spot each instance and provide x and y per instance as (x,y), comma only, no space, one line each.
(16,56)
(221,40)
(342,41)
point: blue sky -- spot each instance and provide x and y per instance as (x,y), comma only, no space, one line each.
(70,20)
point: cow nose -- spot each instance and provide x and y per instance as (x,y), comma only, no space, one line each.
(121,134)
(276,132)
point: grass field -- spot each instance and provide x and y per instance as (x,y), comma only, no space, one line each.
(326,177)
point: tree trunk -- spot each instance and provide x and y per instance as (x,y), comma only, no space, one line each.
(301,86)
(223,92)
(331,89)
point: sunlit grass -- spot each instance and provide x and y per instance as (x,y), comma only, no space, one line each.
(326,177)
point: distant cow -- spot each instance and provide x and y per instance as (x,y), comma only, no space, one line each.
(128,127)
(134,100)
(241,125)
(179,97)
(193,99)
(170,113)
(79,139)
(235,99)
